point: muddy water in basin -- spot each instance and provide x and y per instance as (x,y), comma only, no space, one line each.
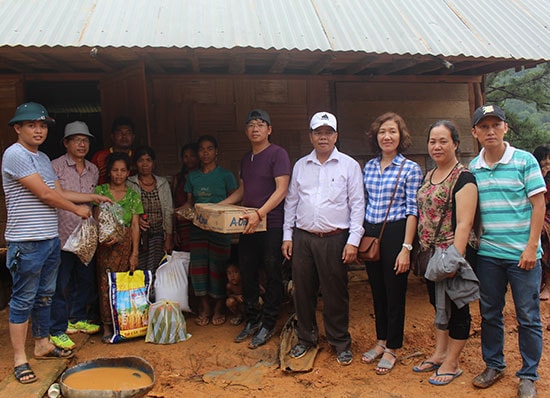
(108,378)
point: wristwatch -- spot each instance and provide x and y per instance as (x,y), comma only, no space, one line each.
(407,246)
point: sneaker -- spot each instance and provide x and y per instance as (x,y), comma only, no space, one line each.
(82,326)
(261,337)
(298,351)
(63,341)
(345,357)
(249,330)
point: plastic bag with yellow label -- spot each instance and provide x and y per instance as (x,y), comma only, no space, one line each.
(129,306)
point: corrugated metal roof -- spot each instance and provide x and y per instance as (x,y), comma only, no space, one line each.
(517,29)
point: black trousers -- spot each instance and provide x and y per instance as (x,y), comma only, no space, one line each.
(388,289)
(460,321)
(256,251)
(317,265)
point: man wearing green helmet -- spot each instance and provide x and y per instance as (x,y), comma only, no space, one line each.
(33,193)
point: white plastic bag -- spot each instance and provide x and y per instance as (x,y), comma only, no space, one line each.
(83,240)
(171,279)
(166,323)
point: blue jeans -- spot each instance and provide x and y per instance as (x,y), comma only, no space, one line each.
(33,266)
(76,284)
(494,275)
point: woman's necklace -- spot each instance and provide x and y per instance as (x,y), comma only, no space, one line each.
(447,176)
(147,184)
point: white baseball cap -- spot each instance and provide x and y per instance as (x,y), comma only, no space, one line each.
(323,119)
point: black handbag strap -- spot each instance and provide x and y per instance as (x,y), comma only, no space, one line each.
(391,200)
(445,209)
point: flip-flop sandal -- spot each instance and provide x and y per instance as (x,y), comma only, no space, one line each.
(107,339)
(444,383)
(433,366)
(202,320)
(218,320)
(56,353)
(384,366)
(236,321)
(24,374)
(372,355)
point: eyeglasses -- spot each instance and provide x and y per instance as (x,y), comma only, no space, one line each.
(79,141)
(256,124)
(317,133)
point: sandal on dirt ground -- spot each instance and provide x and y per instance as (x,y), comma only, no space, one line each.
(202,320)
(385,366)
(56,353)
(24,374)
(451,377)
(218,320)
(372,355)
(236,321)
(431,367)
(106,339)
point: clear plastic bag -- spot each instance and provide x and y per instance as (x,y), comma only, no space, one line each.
(166,323)
(83,240)
(111,224)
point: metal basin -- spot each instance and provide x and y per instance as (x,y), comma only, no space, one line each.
(122,362)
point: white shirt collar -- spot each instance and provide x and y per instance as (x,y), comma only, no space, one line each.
(505,159)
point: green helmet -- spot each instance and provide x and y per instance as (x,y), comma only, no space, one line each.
(30,111)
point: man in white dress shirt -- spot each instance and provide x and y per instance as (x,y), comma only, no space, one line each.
(324,212)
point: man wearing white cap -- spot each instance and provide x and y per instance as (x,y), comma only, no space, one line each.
(324,211)
(70,310)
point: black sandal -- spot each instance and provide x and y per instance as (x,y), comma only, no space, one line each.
(24,374)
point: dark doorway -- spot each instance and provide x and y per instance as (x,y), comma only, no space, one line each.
(67,101)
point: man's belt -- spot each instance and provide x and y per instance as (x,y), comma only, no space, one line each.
(326,234)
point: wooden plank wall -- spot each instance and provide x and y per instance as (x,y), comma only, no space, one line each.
(420,104)
(11,94)
(184,108)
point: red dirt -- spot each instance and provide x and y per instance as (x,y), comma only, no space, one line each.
(184,368)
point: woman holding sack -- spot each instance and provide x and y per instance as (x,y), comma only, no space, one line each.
(391,182)
(447,203)
(117,255)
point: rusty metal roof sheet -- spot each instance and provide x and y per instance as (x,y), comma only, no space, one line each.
(473,28)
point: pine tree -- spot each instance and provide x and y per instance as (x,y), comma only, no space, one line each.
(525,97)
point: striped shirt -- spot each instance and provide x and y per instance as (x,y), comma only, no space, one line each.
(504,192)
(70,180)
(29,218)
(379,188)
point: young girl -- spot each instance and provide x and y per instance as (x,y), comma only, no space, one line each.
(117,255)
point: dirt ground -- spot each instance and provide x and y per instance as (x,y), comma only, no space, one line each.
(209,364)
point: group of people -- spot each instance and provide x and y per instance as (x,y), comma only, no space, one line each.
(316,215)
